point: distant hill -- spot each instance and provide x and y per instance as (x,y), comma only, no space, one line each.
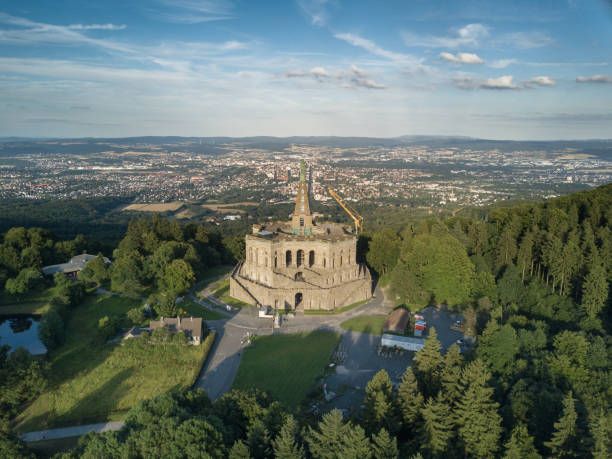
(14,146)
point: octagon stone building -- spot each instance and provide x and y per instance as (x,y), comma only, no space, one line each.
(300,265)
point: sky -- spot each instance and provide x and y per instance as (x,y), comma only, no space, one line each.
(490,69)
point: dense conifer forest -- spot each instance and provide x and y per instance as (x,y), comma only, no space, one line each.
(532,281)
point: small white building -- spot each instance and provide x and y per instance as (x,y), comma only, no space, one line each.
(404,342)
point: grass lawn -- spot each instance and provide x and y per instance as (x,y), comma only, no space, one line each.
(314,312)
(24,308)
(365,324)
(93,382)
(286,366)
(222,292)
(194,309)
(33,296)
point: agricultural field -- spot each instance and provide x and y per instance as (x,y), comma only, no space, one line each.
(155,207)
(365,324)
(228,208)
(185,214)
(91,381)
(286,366)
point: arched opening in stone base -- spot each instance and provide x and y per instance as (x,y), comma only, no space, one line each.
(298,300)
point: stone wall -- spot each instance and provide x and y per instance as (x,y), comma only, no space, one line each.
(338,296)
(314,272)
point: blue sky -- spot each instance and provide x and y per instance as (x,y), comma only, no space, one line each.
(491,69)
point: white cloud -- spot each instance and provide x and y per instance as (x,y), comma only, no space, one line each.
(502,63)
(461,58)
(361,78)
(499,83)
(540,81)
(368,45)
(316,10)
(470,35)
(197,11)
(296,73)
(465,83)
(524,40)
(319,73)
(354,77)
(502,82)
(358,72)
(30,32)
(475,35)
(97,27)
(595,79)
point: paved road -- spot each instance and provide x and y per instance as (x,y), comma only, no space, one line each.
(76,431)
(218,374)
(220,370)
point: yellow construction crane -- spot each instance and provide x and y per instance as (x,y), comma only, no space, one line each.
(357,219)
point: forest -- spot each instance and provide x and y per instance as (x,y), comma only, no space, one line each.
(532,282)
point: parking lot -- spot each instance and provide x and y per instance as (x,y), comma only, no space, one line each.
(360,360)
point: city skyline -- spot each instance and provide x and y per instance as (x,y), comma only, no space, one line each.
(530,70)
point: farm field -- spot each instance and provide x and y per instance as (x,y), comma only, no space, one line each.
(185,214)
(365,324)
(228,208)
(286,366)
(154,207)
(93,382)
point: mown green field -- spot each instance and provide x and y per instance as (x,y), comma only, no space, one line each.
(286,366)
(365,324)
(315,312)
(194,309)
(93,382)
(222,293)
(24,308)
(33,296)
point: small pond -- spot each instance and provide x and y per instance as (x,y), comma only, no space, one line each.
(21,330)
